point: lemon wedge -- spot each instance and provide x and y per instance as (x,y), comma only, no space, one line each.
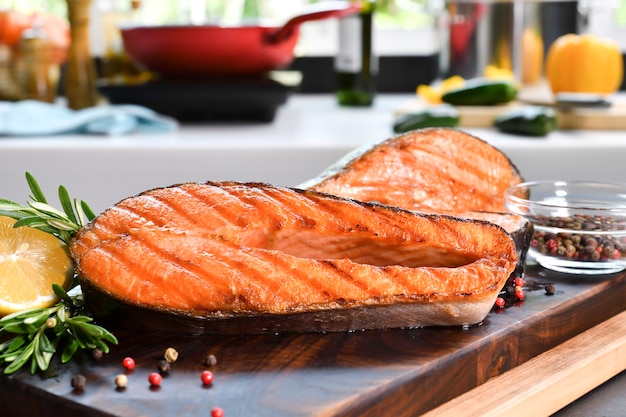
(30,262)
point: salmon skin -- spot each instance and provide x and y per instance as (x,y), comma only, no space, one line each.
(436,170)
(227,257)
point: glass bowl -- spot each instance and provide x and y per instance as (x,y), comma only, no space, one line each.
(579,226)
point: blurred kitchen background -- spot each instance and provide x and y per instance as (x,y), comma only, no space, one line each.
(417,41)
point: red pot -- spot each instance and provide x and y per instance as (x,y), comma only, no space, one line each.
(211,50)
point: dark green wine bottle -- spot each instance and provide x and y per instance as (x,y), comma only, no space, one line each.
(356,65)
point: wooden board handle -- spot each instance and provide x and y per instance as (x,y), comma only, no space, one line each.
(550,381)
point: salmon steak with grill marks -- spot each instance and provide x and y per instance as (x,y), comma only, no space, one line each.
(435,170)
(236,258)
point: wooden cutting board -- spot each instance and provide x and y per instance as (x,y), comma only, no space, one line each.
(611,118)
(548,382)
(371,373)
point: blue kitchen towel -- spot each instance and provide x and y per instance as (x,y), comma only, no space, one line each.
(37,118)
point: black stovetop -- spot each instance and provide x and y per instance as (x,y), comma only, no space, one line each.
(223,99)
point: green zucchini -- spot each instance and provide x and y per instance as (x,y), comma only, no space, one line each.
(527,120)
(437,116)
(481,92)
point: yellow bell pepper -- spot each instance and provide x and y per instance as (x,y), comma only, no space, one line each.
(496,73)
(432,93)
(584,64)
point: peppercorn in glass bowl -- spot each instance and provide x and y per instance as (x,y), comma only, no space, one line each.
(579,226)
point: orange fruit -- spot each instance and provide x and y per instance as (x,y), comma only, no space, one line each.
(30,262)
(12,24)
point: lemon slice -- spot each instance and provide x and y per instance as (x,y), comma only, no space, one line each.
(30,262)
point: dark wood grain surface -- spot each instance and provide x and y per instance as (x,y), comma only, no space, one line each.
(368,373)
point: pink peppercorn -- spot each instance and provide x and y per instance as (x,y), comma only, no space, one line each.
(129,363)
(207,377)
(155,379)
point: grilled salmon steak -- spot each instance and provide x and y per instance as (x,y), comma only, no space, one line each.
(250,258)
(437,170)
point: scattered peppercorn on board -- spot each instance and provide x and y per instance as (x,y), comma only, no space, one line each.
(611,118)
(371,373)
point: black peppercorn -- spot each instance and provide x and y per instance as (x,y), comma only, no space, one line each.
(591,242)
(163,366)
(550,290)
(210,360)
(97,354)
(78,382)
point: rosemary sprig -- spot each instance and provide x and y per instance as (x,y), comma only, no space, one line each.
(40,332)
(40,215)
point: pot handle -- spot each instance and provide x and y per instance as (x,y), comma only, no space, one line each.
(317,11)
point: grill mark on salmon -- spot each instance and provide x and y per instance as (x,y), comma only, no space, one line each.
(216,250)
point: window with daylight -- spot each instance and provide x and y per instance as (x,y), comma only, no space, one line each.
(403,27)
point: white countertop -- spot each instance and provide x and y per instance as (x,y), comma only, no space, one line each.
(309,133)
